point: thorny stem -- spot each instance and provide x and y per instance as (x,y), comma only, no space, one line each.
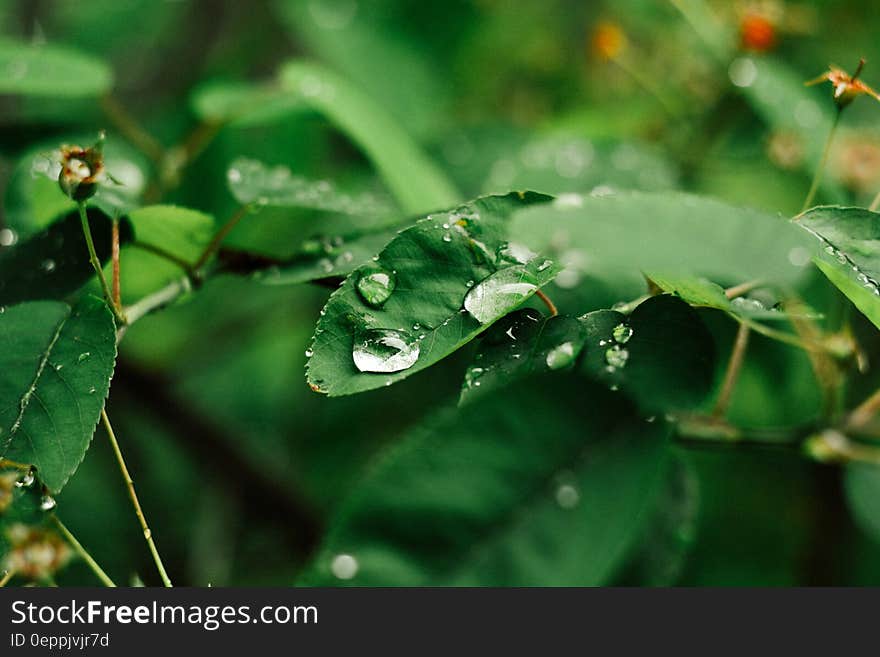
(875,204)
(131,130)
(547,302)
(114,258)
(96,264)
(83,553)
(734,367)
(221,235)
(8,575)
(148,535)
(817,177)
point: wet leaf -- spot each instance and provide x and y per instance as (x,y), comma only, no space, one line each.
(55,370)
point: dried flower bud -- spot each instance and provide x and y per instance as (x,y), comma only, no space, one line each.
(608,40)
(35,553)
(846,86)
(82,170)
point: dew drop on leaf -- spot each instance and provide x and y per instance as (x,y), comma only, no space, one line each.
(499,293)
(384,350)
(375,285)
(47,503)
(622,333)
(48,266)
(616,356)
(344,566)
(567,496)
(560,356)
(26,480)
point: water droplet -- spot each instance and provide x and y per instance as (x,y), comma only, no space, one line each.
(744,304)
(469,283)
(47,503)
(384,350)
(234,175)
(375,285)
(344,566)
(568,201)
(92,390)
(27,479)
(83,356)
(48,266)
(616,356)
(743,72)
(8,237)
(500,292)
(447,237)
(567,496)
(309,353)
(513,252)
(622,333)
(560,356)
(58,367)
(799,256)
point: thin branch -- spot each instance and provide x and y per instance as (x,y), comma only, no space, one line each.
(864,412)
(167,255)
(77,546)
(734,366)
(875,204)
(159,299)
(221,235)
(817,177)
(8,575)
(742,288)
(547,302)
(114,258)
(96,263)
(131,130)
(148,535)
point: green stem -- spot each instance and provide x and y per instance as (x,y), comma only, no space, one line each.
(158,299)
(77,546)
(875,204)
(167,255)
(131,130)
(817,177)
(96,263)
(148,535)
(734,367)
(221,234)
(8,575)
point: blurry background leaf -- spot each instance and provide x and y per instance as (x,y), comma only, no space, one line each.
(44,70)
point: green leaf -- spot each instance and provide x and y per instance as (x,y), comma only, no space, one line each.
(699,236)
(548,482)
(251,181)
(243,104)
(44,70)
(55,263)
(433,267)
(523,343)
(862,483)
(416,182)
(662,355)
(848,253)
(55,372)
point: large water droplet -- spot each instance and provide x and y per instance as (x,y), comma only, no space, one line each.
(344,566)
(560,356)
(497,294)
(47,503)
(27,479)
(622,333)
(384,350)
(513,252)
(375,285)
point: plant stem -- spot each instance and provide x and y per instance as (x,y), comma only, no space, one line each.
(221,234)
(96,264)
(131,130)
(817,177)
(863,413)
(875,204)
(8,575)
(114,258)
(734,367)
(158,299)
(167,255)
(99,572)
(547,302)
(148,535)
(742,288)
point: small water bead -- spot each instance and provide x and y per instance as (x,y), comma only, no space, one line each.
(344,566)
(567,496)
(616,356)
(447,237)
(48,266)
(47,503)
(83,356)
(384,350)
(497,294)
(744,304)
(560,356)
(622,333)
(27,479)
(375,285)
(8,237)
(309,353)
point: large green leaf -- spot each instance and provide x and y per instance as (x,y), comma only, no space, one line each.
(55,262)
(416,182)
(55,372)
(848,253)
(45,70)
(548,482)
(691,234)
(662,354)
(449,261)
(251,181)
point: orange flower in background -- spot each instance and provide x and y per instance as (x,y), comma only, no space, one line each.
(846,86)
(608,40)
(757,33)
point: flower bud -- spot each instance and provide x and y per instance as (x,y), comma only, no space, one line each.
(82,170)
